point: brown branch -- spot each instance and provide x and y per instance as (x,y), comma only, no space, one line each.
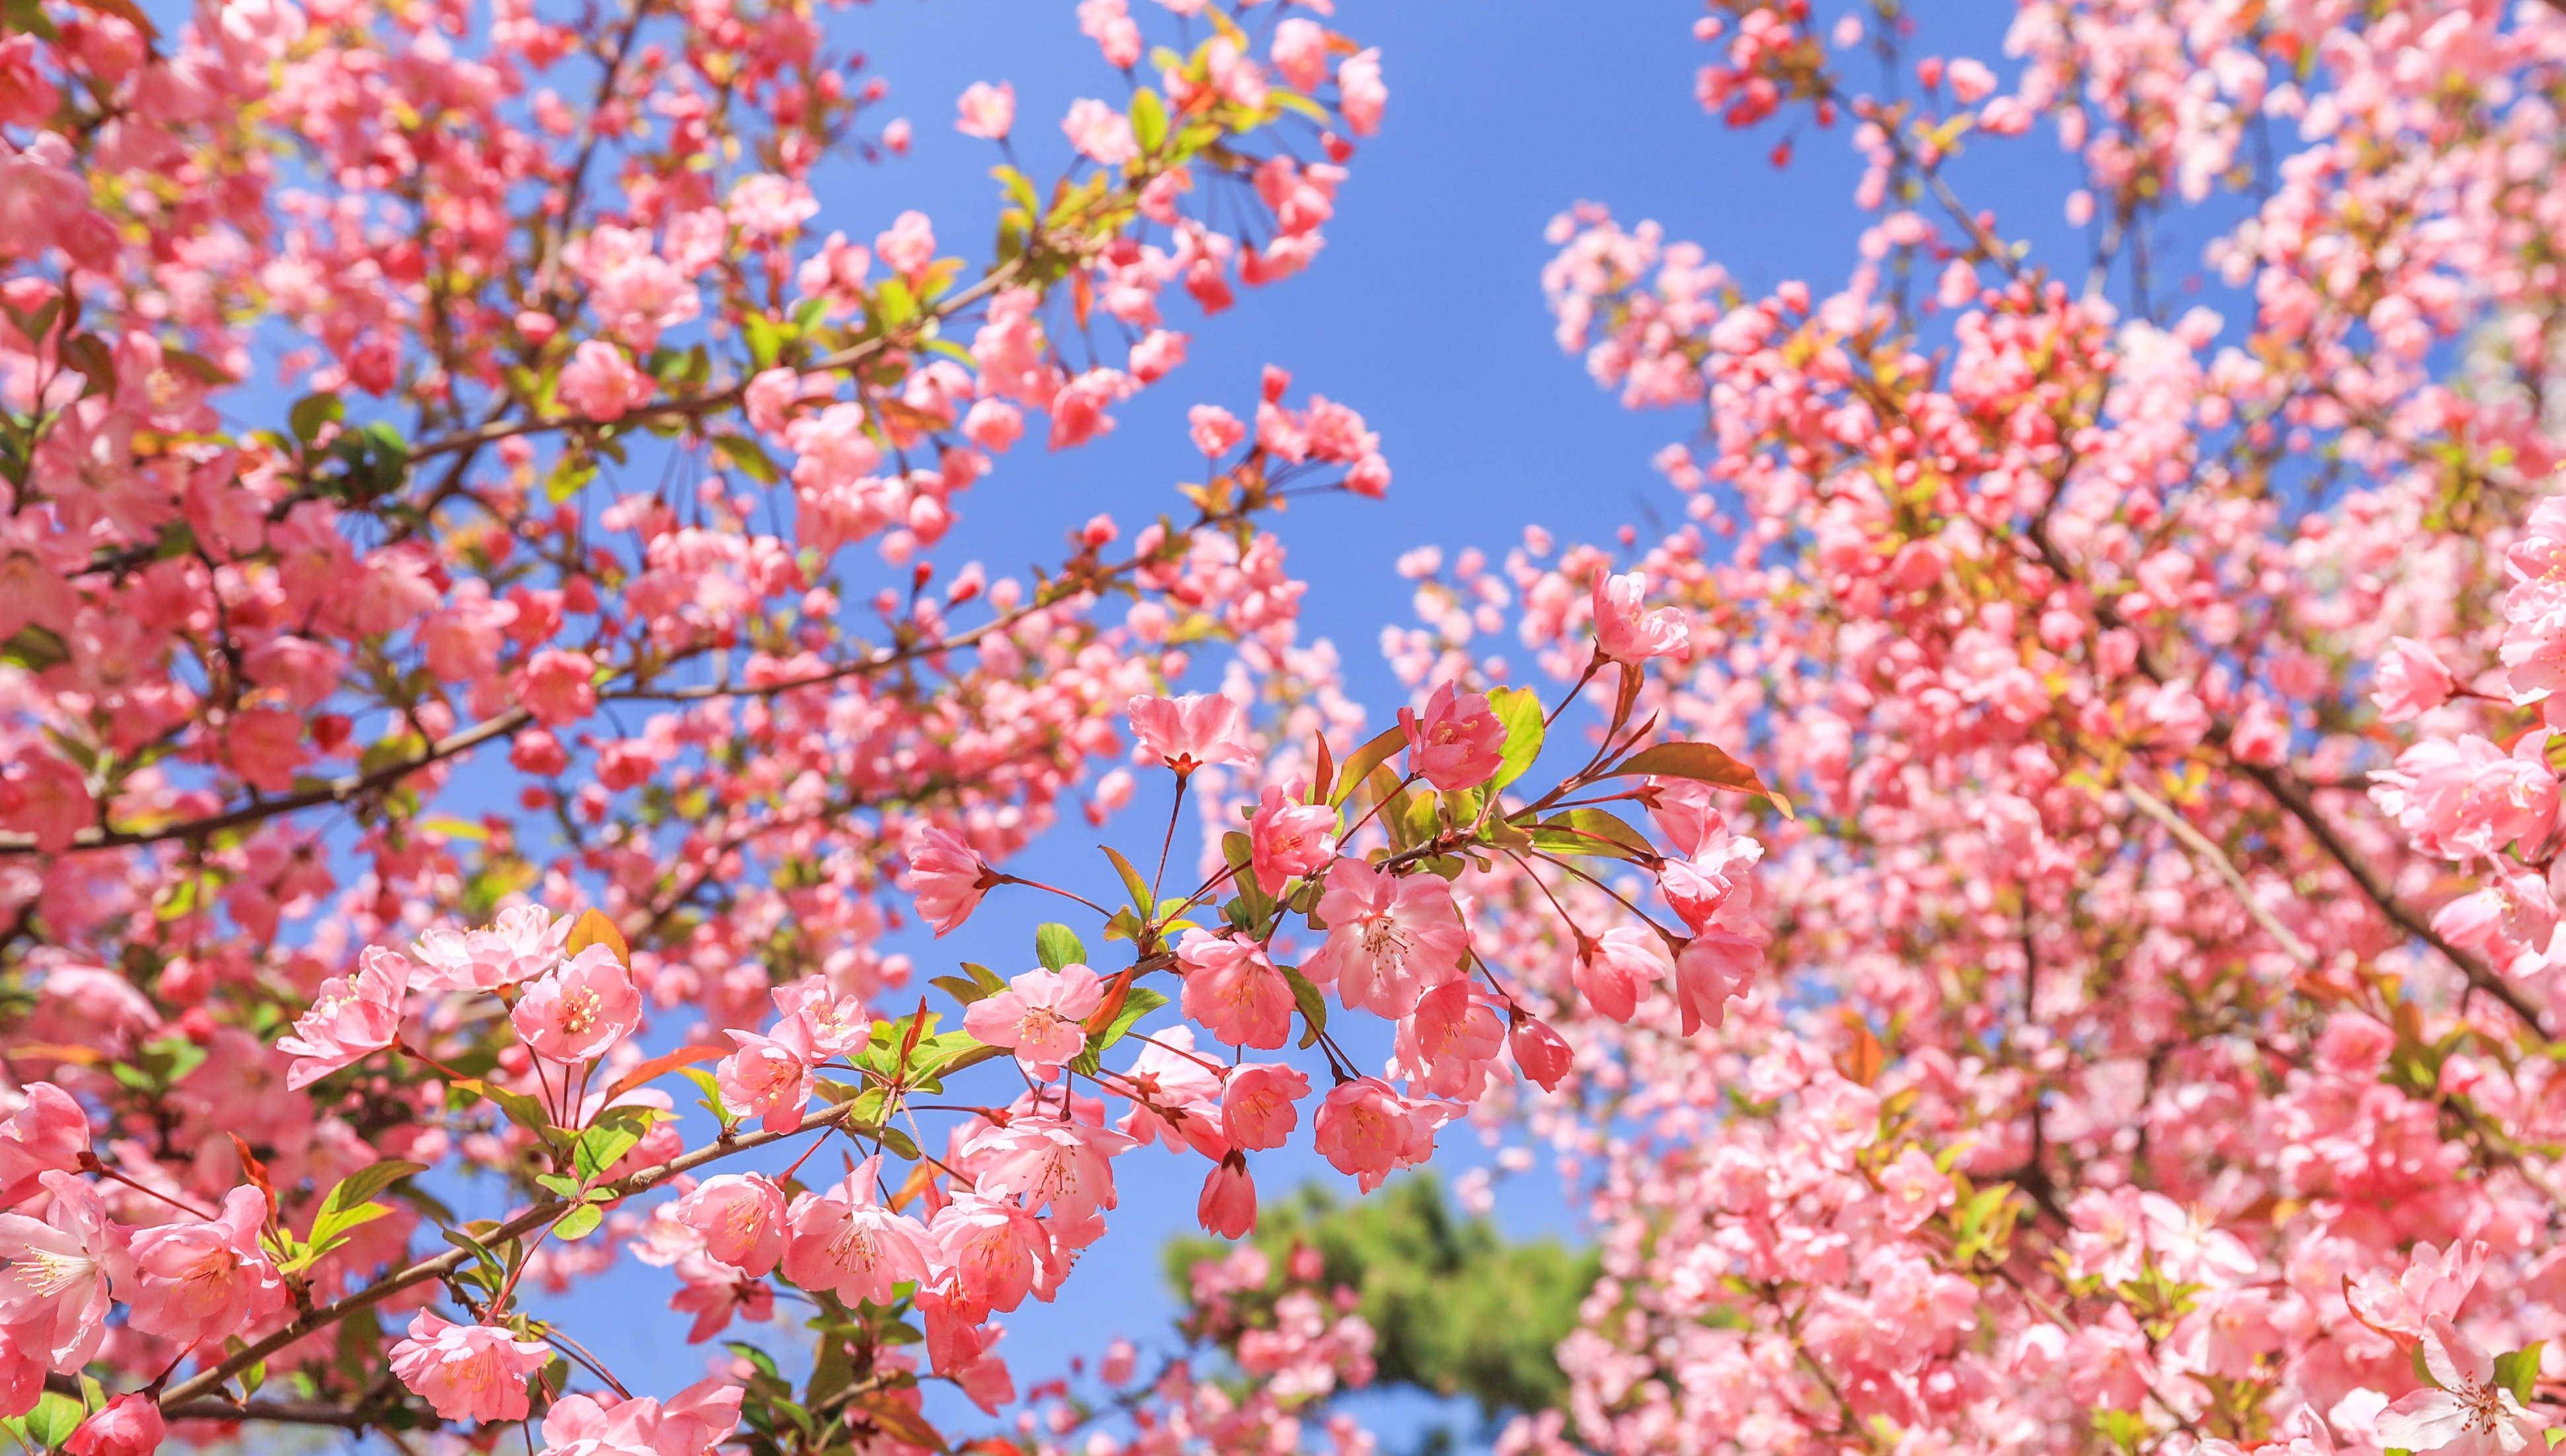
(537,1216)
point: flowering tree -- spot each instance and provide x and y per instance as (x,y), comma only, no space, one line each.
(580,439)
(2145,1036)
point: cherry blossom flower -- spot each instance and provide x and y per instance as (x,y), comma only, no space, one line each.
(742,1218)
(128,1425)
(843,1241)
(1287,836)
(945,876)
(2470,1414)
(1389,939)
(1190,732)
(1232,991)
(1041,1017)
(1456,743)
(197,1280)
(579,1010)
(352,1018)
(474,1372)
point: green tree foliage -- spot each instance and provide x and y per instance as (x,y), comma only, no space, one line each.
(1459,1308)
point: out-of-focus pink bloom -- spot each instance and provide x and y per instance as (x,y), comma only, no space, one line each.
(1099,133)
(525,942)
(601,383)
(2432,1285)
(989,112)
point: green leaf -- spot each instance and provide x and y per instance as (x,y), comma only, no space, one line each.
(894,304)
(362,1185)
(961,988)
(579,1222)
(1519,708)
(1056,945)
(2519,1370)
(1148,120)
(1305,996)
(1132,880)
(54,1419)
(1358,767)
(519,1109)
(1594,831)
(313,412)
(1701,762)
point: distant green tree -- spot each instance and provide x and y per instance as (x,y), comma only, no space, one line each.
(1459,1308)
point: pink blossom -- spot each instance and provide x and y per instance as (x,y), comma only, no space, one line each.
(524,943)
(989,1250)
(1300,53)
(766,1078)
(200,1279)
(579,1010)
(1361,93)
(1190,732)
(989,112)
(1061,1165)
(1215,430)
(1388,938)
(1041,1017)
(947,876)
(47,1133)
(601,383)
(557,686)
(474,1372)
(54,1276)
(352,1018)
(1259,1105)
(907,246)
(1369,1132)
(1625,630)
(1287,836)
(2412,681)
(741,1217)
(1540,1051)
(1227,1207)
(2470,1415)
(1457,743)
(693,1422)
(1232,991)
(2432,1285)
(1099,133)
(1613,969)
(1712,967)
(843,1241)
(128,1425)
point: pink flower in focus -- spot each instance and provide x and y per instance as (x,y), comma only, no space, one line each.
(1388,938)
(200,1279)
(843,1241)
(1259,1105)
(1368,1130)
(1625,630)
(1227,1207)
(128,1425)
(2412,681)
(577,1012)
(1712,967)
(1540,1051)
(54,1276)
(1457,743)
(47,1133)
(2470,1415)
(352,1018)
(523,943)
(945,876)
(1232,991)
(742,1218)
(1065,1166)
(473,1372)
(691,1423)
(1287,837)
(1041,1017)
(1612,969)
(1190,732)
(989,112)
(766,1078)
(989,1250)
